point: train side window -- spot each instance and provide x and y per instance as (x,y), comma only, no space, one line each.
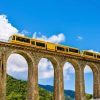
(98,56)
(67,50)
(23,39)
(33,42)
(27,40)
(73,50)
(40,44)
(95,55)
(60,48)
(89,53)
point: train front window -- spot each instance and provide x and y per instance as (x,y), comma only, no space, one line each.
(60,48)
(73,50)
(13,38)
(23,39)
(40,44)
(10,38)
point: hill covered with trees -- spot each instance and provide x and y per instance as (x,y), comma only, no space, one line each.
(16,90)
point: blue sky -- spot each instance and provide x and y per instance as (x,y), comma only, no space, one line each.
(78,20)
(73,18)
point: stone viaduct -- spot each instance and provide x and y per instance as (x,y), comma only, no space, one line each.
(33,56)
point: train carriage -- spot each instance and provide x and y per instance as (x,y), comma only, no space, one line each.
(51,46)
(90,54)
(60,48)
(74,51)
(21,40)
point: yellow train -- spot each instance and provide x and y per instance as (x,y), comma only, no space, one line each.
(16,39)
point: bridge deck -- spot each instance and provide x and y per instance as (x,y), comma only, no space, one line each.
(24,47)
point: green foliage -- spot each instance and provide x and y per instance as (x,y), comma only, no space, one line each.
(16,90)
(14,96)
(88,96)
(45,95)
(68,98)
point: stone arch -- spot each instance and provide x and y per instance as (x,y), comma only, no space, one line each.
(73,62)
(77,69)
(92,66)
(49,65)
(95,72)
(25,54)
(54,62)
(94,69)
(30,61)
(52,59)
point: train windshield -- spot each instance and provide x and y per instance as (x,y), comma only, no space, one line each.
(13,37)
(10,38)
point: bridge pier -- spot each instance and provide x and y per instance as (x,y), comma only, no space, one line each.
(58,83)
(79,85)
(96,81)
(2,77)
(33,93)
(97,85)
(96,91)
(96,88)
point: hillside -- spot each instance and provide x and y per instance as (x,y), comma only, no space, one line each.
(68,93)
(16,90)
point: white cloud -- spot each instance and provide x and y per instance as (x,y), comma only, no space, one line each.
(6,29)
(68,69)
(87,69)
(45,68)
(17,66)
(54,38)
(79,37)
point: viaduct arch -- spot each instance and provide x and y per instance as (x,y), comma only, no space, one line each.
(33,56)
